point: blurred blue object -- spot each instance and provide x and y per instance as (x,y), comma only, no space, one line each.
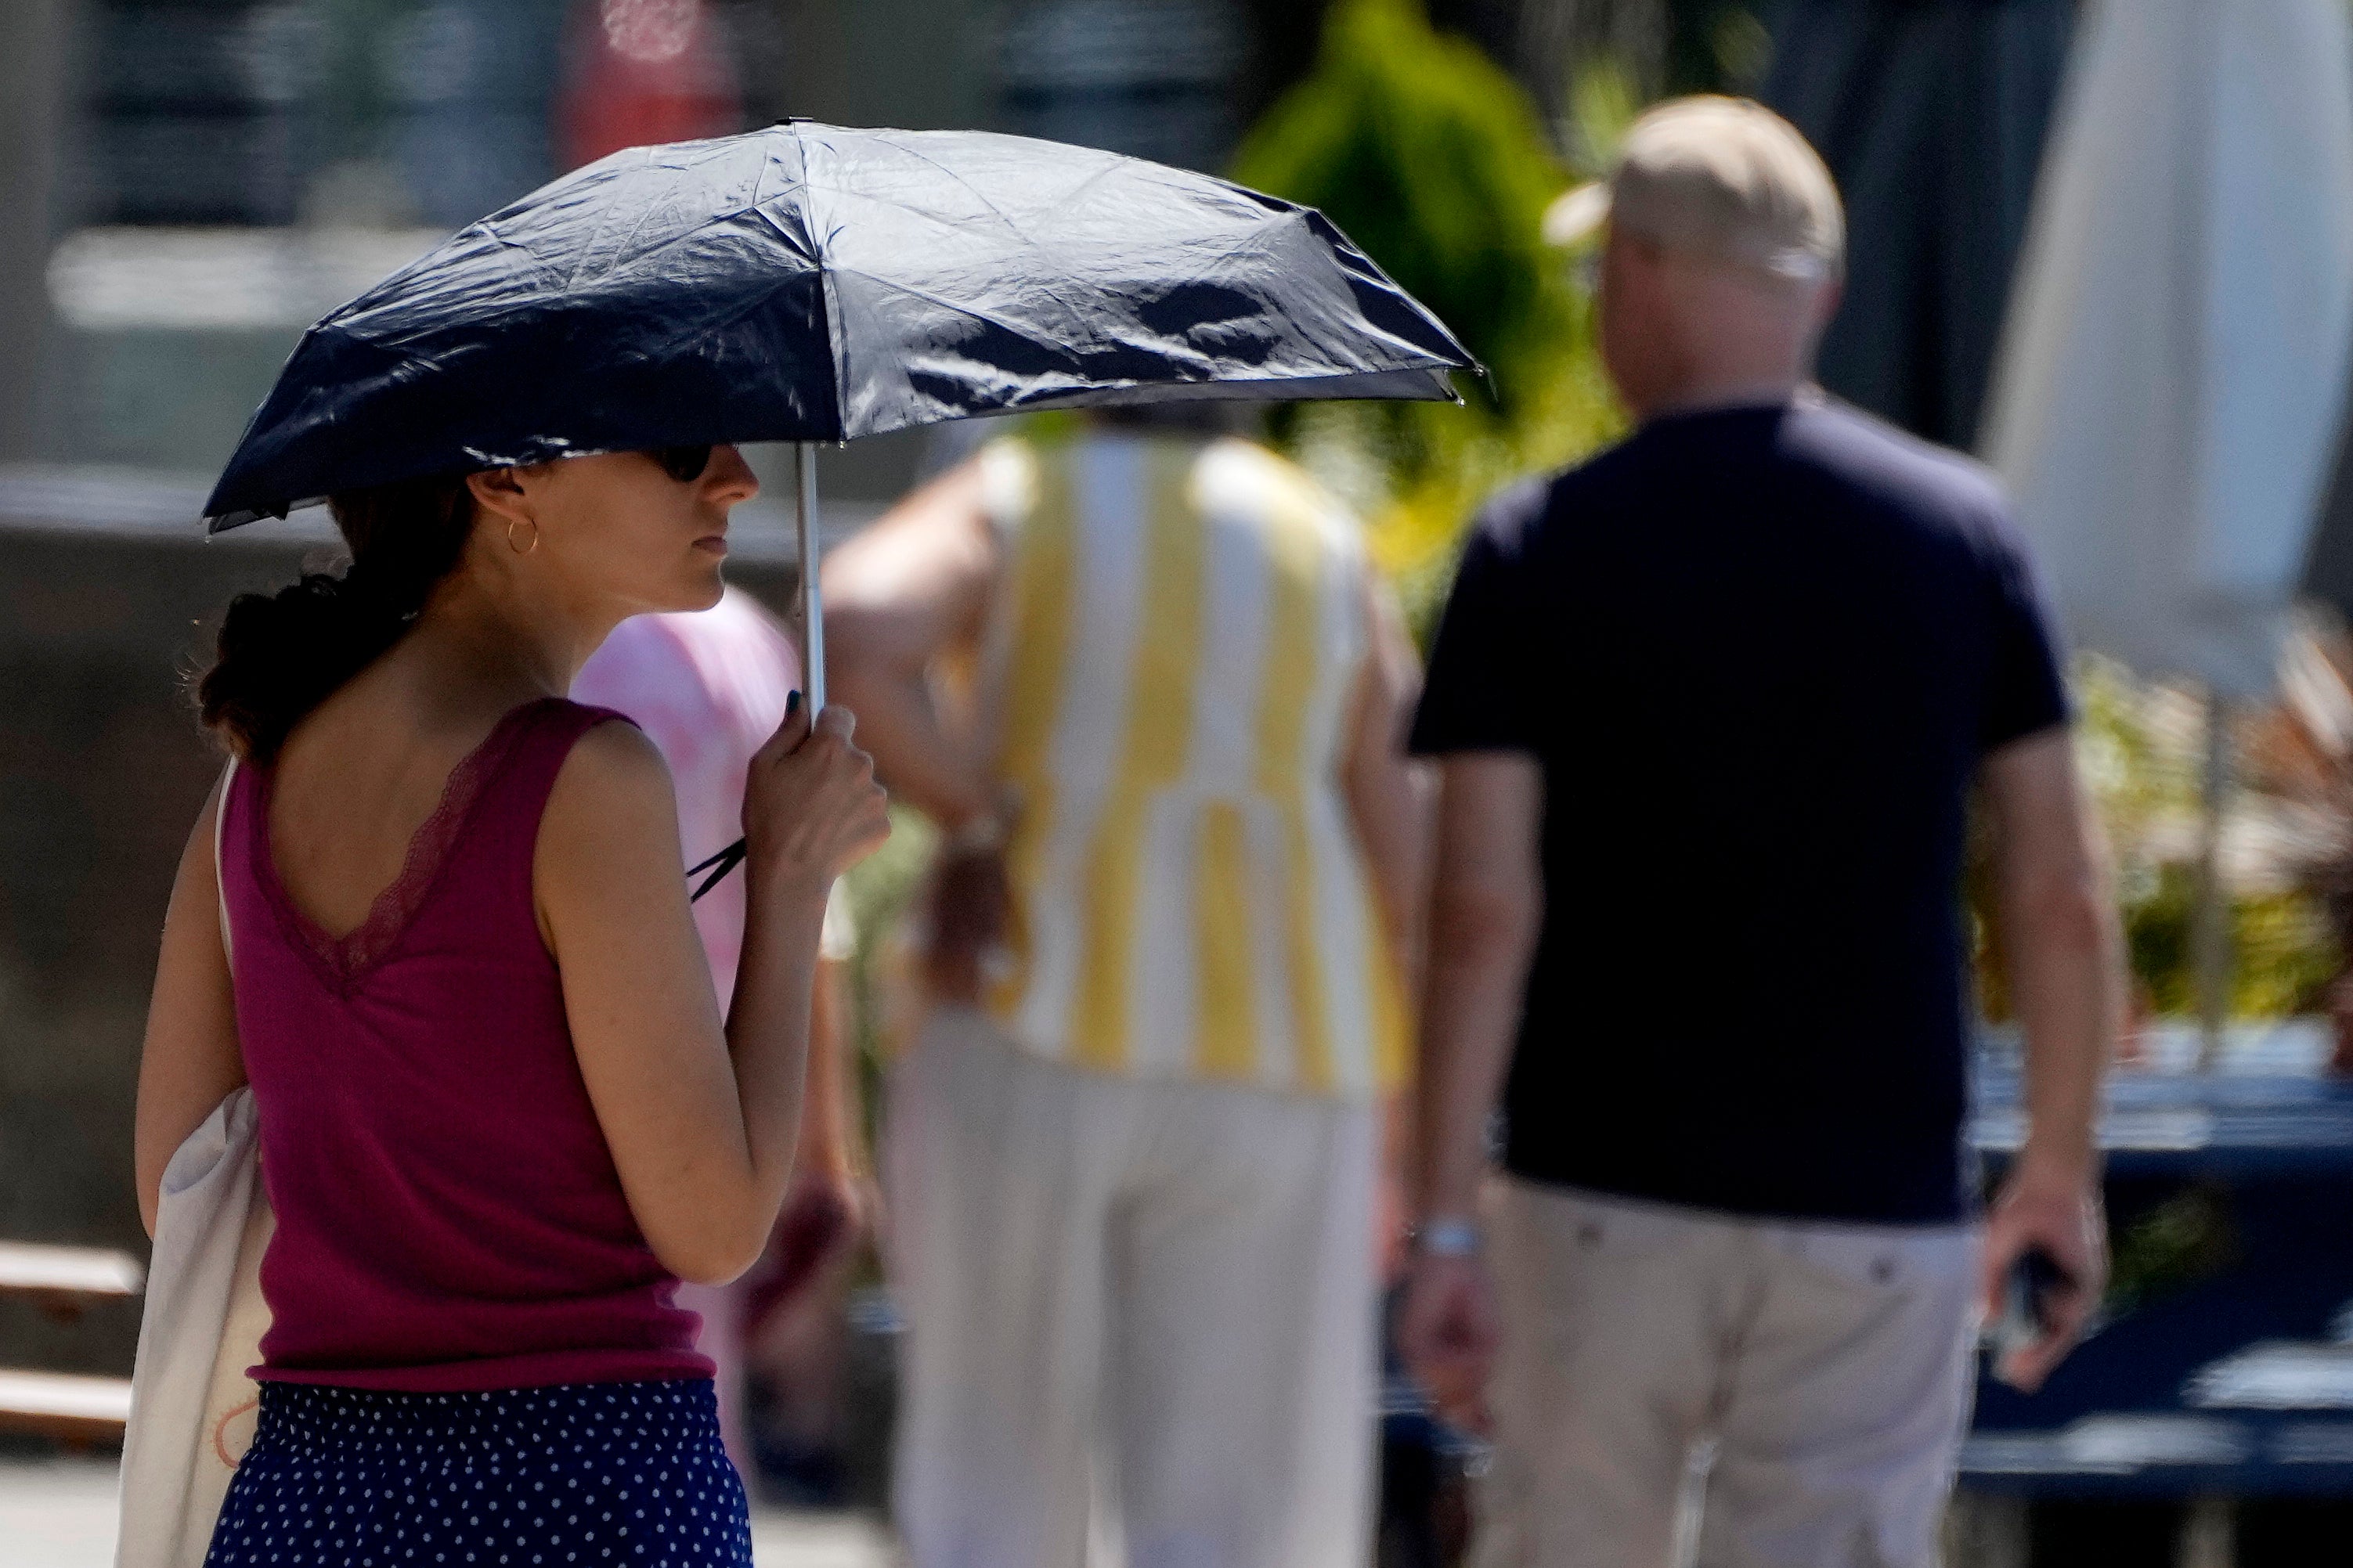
(811,283)
(2229,1371)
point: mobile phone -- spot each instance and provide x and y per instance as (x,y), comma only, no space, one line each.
(2026,1314)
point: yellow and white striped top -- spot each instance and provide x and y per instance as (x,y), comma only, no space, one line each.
(1170,671)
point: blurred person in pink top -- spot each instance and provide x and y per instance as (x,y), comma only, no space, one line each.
(708,687)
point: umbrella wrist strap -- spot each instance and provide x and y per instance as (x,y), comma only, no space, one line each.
(719,865)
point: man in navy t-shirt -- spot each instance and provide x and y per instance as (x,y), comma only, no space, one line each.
(1710,708)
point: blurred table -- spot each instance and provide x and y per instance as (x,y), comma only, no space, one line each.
(64,1280)
(2231,1375)
(68,1407)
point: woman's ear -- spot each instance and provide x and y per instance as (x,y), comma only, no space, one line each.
(500,491)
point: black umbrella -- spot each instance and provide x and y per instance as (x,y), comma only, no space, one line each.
(811,283)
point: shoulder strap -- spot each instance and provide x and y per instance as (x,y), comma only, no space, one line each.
(220,887)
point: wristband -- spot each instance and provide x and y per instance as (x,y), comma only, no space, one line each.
(1446,1237)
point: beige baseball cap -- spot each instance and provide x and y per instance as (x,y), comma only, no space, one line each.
(1721,177)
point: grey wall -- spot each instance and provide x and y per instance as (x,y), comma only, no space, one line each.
(32,89)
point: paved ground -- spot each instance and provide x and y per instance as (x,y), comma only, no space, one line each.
(61,1515)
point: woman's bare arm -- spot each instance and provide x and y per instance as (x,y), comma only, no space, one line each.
(832,1150)
(899,594)
(190,1061)
(701,1120)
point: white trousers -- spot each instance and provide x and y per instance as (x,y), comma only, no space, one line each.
(1829,1367)
(1141,1316)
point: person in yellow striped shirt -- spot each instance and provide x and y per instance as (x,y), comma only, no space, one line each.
(1150,689)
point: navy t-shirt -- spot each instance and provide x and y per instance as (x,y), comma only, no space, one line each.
(1759,653)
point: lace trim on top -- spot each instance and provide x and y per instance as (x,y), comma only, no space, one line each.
(342,960)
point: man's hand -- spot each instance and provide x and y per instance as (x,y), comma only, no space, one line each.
(1448,1333)
(2057,1212)
(970,906)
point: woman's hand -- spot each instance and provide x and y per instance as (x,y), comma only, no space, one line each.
(1448,1333)
(811,807)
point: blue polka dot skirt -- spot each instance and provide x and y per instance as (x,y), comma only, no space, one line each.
(592,1474)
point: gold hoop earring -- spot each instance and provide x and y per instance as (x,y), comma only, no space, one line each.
(534,535)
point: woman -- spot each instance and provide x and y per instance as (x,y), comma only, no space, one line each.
(499,1117)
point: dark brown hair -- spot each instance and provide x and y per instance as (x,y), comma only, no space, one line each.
(281,655)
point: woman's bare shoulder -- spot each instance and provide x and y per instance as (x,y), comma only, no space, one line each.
(613,795)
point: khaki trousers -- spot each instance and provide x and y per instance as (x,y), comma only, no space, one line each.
(1141,1316)
(1827,1368)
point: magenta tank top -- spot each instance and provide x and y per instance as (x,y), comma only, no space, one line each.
(448,1216)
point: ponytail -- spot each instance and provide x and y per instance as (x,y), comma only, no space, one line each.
(281,655)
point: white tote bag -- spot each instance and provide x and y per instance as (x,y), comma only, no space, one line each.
(192,1404)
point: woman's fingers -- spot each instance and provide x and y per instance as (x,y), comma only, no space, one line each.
(838,721)
(793,728)
(813,801)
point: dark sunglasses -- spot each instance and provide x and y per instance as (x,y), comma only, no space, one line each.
(684,464)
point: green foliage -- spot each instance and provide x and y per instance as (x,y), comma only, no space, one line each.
(1432,159)
(1434,162)
(2141,747)
(2187,1239)
(1603,101)
(2282,954)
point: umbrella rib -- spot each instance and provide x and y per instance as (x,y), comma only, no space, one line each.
(950,305)
(804,243)
(1002,215)
(643,217)
(813,244)
(572,274)
(645,214)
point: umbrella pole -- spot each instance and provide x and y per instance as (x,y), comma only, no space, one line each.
(812,601)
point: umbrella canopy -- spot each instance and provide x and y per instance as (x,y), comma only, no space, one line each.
(813,283)
(2174,364)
